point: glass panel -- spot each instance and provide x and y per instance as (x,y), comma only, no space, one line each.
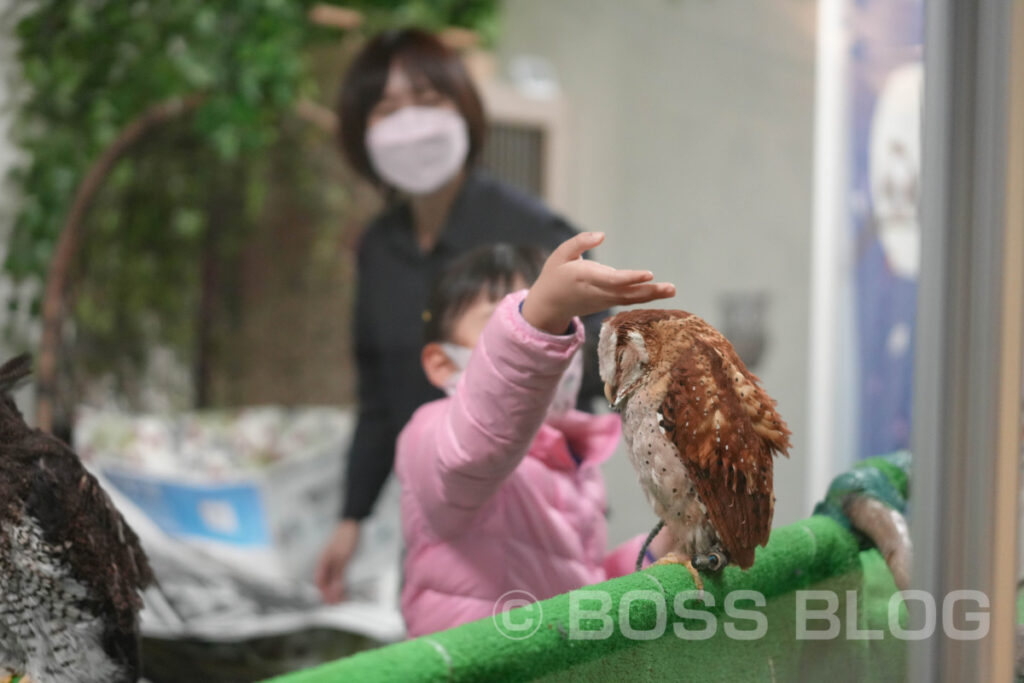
(765,157)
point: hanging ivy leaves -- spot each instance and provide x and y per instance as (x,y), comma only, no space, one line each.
(89,67)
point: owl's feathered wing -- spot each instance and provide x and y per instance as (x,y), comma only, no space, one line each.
(77,565)
(726,431)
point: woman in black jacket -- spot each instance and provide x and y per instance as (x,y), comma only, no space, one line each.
(413,124)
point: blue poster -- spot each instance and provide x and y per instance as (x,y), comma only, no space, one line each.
(886,74)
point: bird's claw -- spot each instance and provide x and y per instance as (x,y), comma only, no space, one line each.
(673,558)
(670,558)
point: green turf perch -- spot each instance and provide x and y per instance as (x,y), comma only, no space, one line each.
(819,553)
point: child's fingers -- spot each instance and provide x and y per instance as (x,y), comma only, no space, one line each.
(573,248)
(642,293)
(658,290)
(613,281)
(622,278)
(606,276)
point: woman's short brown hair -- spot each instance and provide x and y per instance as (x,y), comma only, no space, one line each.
(420,54)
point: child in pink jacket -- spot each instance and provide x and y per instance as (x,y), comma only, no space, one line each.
(501,486)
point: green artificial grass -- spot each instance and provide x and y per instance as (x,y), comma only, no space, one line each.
(818,553)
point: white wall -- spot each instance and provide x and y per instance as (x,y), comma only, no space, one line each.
(690,139)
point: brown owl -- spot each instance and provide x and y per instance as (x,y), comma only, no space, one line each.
(700,430)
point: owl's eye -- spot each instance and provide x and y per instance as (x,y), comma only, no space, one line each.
(714,561)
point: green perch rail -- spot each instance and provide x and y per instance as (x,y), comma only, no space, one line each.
(633,621)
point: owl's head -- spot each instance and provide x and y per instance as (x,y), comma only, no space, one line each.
(627,349)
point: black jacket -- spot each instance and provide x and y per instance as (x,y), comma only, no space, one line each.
(393,280)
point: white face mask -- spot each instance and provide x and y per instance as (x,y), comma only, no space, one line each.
(418,149)
(565,396)
(459,356)
(568,388)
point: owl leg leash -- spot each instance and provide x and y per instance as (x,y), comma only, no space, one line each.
(647,543)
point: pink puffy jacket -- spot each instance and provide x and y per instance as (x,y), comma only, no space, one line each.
(493,499)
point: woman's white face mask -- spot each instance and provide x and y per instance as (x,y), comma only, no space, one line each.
(565,396)
(418,149)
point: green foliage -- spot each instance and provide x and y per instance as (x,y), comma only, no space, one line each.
(478,15)
(138,271)
(89,67)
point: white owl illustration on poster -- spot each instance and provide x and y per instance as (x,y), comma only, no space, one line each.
(894,168)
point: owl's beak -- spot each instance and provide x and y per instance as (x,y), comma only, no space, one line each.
(609,393)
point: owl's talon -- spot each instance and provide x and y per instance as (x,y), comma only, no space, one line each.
(697,581)
(673,558)
(670,558)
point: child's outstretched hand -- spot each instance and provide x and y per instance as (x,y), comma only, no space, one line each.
(569,286)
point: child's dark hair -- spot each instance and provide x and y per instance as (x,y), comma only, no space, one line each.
(491,269)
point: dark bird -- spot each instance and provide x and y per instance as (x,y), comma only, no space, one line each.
(71,570)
